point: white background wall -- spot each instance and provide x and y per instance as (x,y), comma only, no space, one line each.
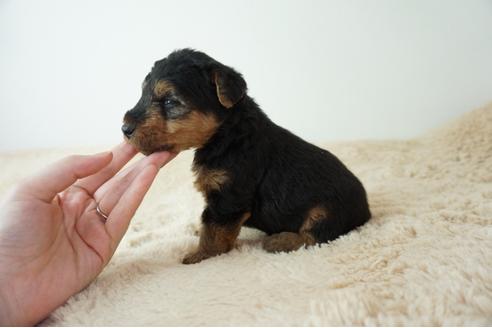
(324,69)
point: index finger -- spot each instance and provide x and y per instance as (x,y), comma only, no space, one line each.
(60,175)
(122,154)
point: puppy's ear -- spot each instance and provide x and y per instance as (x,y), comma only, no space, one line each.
(230,86)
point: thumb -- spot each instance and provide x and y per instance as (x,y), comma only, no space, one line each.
(60,175)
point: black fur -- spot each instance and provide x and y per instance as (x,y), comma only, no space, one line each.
(274,175)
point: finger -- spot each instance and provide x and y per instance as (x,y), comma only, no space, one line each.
(120,216)
(121,155)
(60,175)
(110,193)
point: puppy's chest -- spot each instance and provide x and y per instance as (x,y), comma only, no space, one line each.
(208,180)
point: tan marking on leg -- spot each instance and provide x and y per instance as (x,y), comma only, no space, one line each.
(287,242)
(290,241)
(314,215)
(215,240)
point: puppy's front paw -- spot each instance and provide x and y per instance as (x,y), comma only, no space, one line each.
(195,257)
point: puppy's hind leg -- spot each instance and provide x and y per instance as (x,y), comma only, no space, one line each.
(311,232)
(286,242)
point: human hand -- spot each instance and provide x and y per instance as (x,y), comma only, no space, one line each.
(53,242)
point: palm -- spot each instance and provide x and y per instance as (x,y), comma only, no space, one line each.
(57,239)
(56,243)
(80,245)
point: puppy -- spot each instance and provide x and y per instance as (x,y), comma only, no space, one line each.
(250,171)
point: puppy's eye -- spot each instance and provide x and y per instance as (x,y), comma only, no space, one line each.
(170,103)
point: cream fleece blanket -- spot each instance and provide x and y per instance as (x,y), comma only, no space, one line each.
(425,258)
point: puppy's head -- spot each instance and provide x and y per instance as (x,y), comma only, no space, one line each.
(185,98)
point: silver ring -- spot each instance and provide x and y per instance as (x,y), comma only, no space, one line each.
(101,213)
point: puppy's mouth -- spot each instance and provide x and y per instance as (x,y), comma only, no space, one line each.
(147,149)
(164,148)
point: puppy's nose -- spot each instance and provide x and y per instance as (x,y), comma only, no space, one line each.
(128,129)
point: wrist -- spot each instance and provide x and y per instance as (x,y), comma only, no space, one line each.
(6,308)
(11,312)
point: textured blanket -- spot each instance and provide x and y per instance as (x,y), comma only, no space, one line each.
(425,258)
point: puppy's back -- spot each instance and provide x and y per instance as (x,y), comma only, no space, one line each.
(300,177)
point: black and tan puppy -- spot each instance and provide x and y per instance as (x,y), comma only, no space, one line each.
(251,171)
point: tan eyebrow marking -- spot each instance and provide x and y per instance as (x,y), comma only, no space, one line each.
(162,88)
